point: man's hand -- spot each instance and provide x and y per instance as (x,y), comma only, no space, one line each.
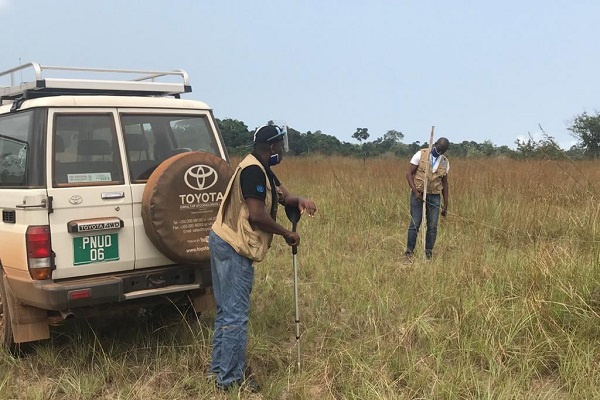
(307,205)
(292,238)
(444,210)
(418,195)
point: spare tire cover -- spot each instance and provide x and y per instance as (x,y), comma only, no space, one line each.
(180,203)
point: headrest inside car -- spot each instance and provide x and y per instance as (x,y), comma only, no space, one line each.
(59,144)
(94,147)
(136,143)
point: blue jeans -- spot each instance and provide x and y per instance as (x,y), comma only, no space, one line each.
(416,216)
(232,278)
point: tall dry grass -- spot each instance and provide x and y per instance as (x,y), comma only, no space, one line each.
(508,308)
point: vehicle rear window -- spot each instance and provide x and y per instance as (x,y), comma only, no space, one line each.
(14,148)
(151,139)
(86,150)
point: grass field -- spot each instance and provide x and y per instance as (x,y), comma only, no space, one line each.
(508,308)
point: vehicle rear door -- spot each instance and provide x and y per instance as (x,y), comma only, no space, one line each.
(152,136)
(91,222)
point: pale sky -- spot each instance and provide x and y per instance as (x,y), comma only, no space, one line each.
(476,70)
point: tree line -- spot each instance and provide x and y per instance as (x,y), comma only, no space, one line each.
(584,127)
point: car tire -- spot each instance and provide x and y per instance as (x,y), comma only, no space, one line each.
(180,203)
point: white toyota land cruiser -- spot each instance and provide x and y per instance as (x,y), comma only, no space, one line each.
(108,188)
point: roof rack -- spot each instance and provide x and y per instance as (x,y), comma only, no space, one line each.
(140,82)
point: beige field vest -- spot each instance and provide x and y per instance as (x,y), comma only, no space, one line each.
(232,223)
(434,181)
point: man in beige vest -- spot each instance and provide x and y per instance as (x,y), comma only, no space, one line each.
(437,182)
(240,236)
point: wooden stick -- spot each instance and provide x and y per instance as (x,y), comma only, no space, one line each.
(424,216)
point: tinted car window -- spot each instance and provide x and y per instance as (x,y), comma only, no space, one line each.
(14,148)
(86,150)
(151,139)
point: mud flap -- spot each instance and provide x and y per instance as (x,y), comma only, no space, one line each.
(203,300)
(28,323)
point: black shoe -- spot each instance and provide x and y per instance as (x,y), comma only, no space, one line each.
(226,388)
(249,384)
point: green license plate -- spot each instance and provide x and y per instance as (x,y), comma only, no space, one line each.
(94,249)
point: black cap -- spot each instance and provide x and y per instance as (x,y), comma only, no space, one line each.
(268,134)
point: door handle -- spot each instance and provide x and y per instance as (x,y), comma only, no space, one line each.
(112,195)
(42,205)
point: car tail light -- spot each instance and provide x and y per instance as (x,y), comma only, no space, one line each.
(39,252)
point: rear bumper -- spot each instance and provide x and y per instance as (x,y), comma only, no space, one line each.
(115,288)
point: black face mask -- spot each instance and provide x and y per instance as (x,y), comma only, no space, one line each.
(274,160)
(435,153)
